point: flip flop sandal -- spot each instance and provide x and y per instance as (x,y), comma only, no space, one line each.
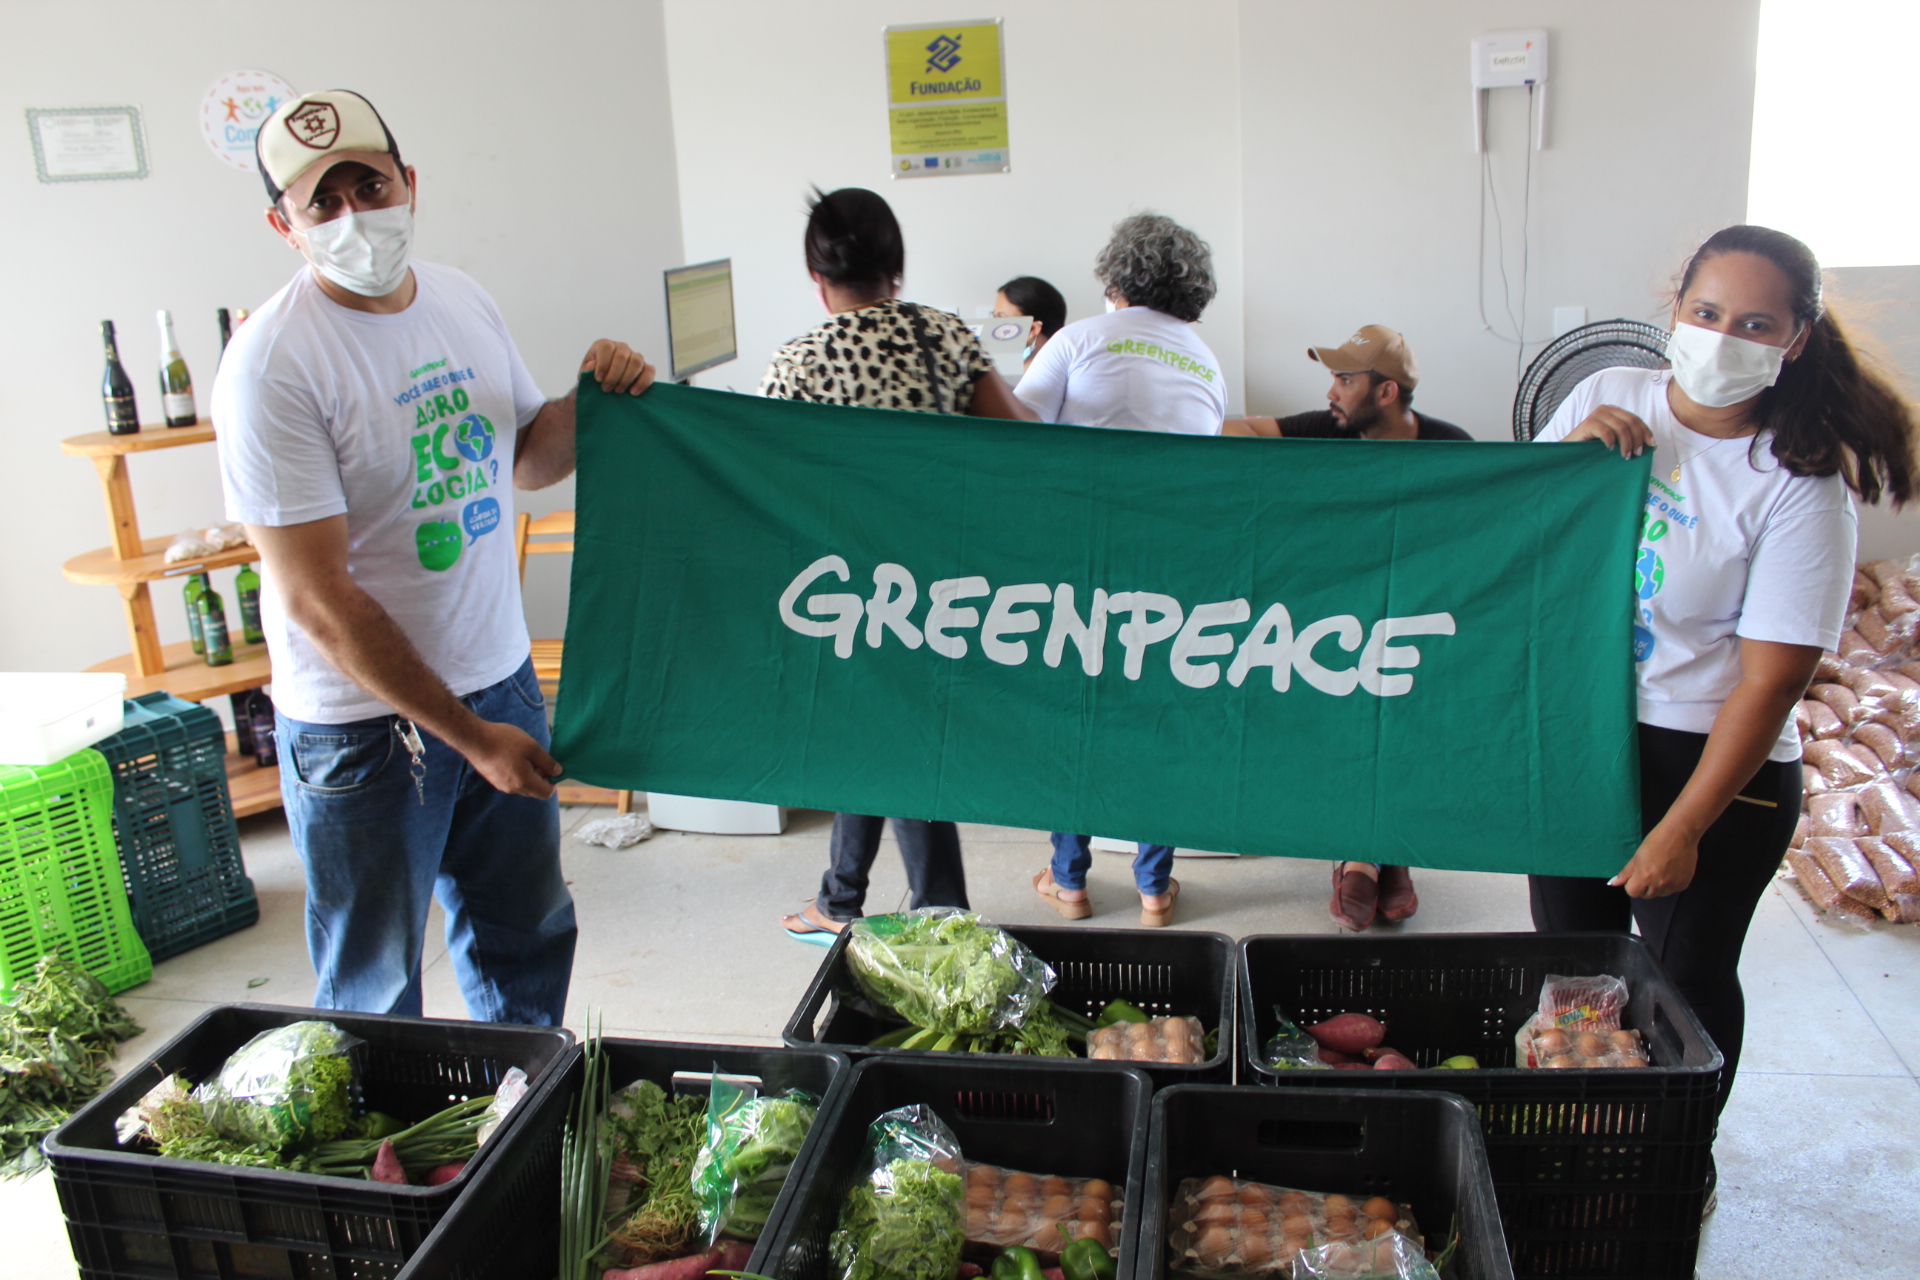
(1152,919)
(1044,886)
(809,932)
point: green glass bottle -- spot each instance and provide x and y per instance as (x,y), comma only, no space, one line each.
(193,614)
(247,587)
(176,384)
(213,625)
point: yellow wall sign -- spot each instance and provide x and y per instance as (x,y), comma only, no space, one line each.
(947,99)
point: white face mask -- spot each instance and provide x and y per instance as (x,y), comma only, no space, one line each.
(1717,369)
(364,253)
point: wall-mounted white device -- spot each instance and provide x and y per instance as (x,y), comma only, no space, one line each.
(1510,60)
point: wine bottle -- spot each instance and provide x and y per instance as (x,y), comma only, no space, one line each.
(242,722)
(176,384)
(266,749)
(247,587)
(116,388)
(226,328)
(193,614)
(213,625)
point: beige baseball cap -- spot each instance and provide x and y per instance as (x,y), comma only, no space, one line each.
(333,124)
(1373,348)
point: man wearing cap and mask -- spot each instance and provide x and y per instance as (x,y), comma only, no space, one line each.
(1371,398)
(375,419)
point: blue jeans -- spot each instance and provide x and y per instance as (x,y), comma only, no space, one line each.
(377,851)
(1152,866)
(930,850)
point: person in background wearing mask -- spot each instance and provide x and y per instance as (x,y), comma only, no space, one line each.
(1040,302)
(375,419)
(875,350)
(1371,398)
(1374,374)
(1140,366)
(1766,426)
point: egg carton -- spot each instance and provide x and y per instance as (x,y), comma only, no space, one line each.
(1175,1040)
(1006,1207)
(1228,1229)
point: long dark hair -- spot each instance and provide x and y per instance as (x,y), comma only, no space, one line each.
(1037,300)
(1831,411)
(853,239)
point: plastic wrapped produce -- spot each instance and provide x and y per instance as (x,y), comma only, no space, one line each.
(1885,743)
(1156,1040)
(1390,1256)
(947,970)
(907,1219)
(287,1086)
(1225,1228)
(1835,813)
(1822,720)
(1045,1213)
(1856,648)
(1866,683)
(1897,875)
(1578,1024)
(1800,831)
(1885,808)
(752,1143)
(1837,764)
(1848,869)
(1843,702)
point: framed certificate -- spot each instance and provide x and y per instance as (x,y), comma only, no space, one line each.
(87,144)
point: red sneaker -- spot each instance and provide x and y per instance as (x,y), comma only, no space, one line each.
(1354,896)
(1398,901)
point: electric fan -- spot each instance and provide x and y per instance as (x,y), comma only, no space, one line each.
(1576,355)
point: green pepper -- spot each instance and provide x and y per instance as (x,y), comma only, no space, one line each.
(1018,1263)
(1119,1011)
(378,1124)
(1086,1259)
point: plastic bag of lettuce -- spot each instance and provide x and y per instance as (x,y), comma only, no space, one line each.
(289,1086)
(908,1219)
(947,970)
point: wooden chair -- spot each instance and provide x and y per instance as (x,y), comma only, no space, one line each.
(554,532)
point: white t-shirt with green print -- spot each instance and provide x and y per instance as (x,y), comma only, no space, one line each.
(1737,547)
(405,424)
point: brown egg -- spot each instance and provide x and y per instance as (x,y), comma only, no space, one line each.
(1377,1228)
(1624,1041)
(1103,1053)
(1092,1210)
(1255,1251)
(1338,1204)
(1292,1202)
(979,1222)
(1589,1045)
(1596,1062)
(1631,1060)
(1097,1189)
(980,1196)
(1253,1222)
(1055,1186)
(983,1175)
(1382,1208)
(1050,1238)
(1021,1185)
(1562,1062)
(1057,1208)
(1296,1224)
(1291,1245)
(1552,1043)
(1213,1246)
(1221,1211)
(1096,1231)
(1215,1187)
(1255,1195)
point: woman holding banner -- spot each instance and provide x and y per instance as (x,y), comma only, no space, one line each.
(878,351)
(1764,429)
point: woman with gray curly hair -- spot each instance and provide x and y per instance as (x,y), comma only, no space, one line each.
(1141,365)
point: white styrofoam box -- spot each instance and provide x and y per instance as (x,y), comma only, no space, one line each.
(47,716)
(1107,844)
(715,817)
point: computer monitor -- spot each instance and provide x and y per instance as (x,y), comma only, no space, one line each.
(700,317)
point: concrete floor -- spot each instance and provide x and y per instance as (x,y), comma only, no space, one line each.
(679,938)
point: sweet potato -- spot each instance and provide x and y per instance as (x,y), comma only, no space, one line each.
(1349,1032)
(386,1164)
(729,1255)
(1844,701)
(1332,1058)
(1884,743)
(1848,869)
(1393,1062)
(1896,874)
(1835,813)
(446,1173)
(1838,765)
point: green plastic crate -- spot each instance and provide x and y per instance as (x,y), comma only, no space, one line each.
(61,888)
(173,816)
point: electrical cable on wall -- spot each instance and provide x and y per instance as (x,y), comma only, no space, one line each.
(1490,193)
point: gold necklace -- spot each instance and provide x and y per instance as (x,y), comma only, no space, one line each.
(1675,477)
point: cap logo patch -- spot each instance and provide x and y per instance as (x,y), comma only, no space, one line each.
(1357,340)
(315,125)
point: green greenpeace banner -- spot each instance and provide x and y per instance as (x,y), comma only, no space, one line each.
(1412,652)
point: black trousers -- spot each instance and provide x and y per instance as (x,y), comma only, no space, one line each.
(1696,933)
(930,850)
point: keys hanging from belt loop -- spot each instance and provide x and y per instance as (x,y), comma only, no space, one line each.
(417,751)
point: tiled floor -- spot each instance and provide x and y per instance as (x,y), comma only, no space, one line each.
(679,938)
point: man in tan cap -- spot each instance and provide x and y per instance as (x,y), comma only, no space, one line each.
(1374,374)
(375,419)
(1371,398)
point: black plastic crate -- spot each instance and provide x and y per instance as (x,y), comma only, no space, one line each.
(1164,972)
(173,820)
(1598,1172)
(508,1227)
(1416,1148)
(133,1214)
(1040,1115)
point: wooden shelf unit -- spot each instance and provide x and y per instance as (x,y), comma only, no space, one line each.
(129,563)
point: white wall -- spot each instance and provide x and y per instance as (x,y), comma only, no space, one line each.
(1115,106)
(1362,185)
(545,152)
